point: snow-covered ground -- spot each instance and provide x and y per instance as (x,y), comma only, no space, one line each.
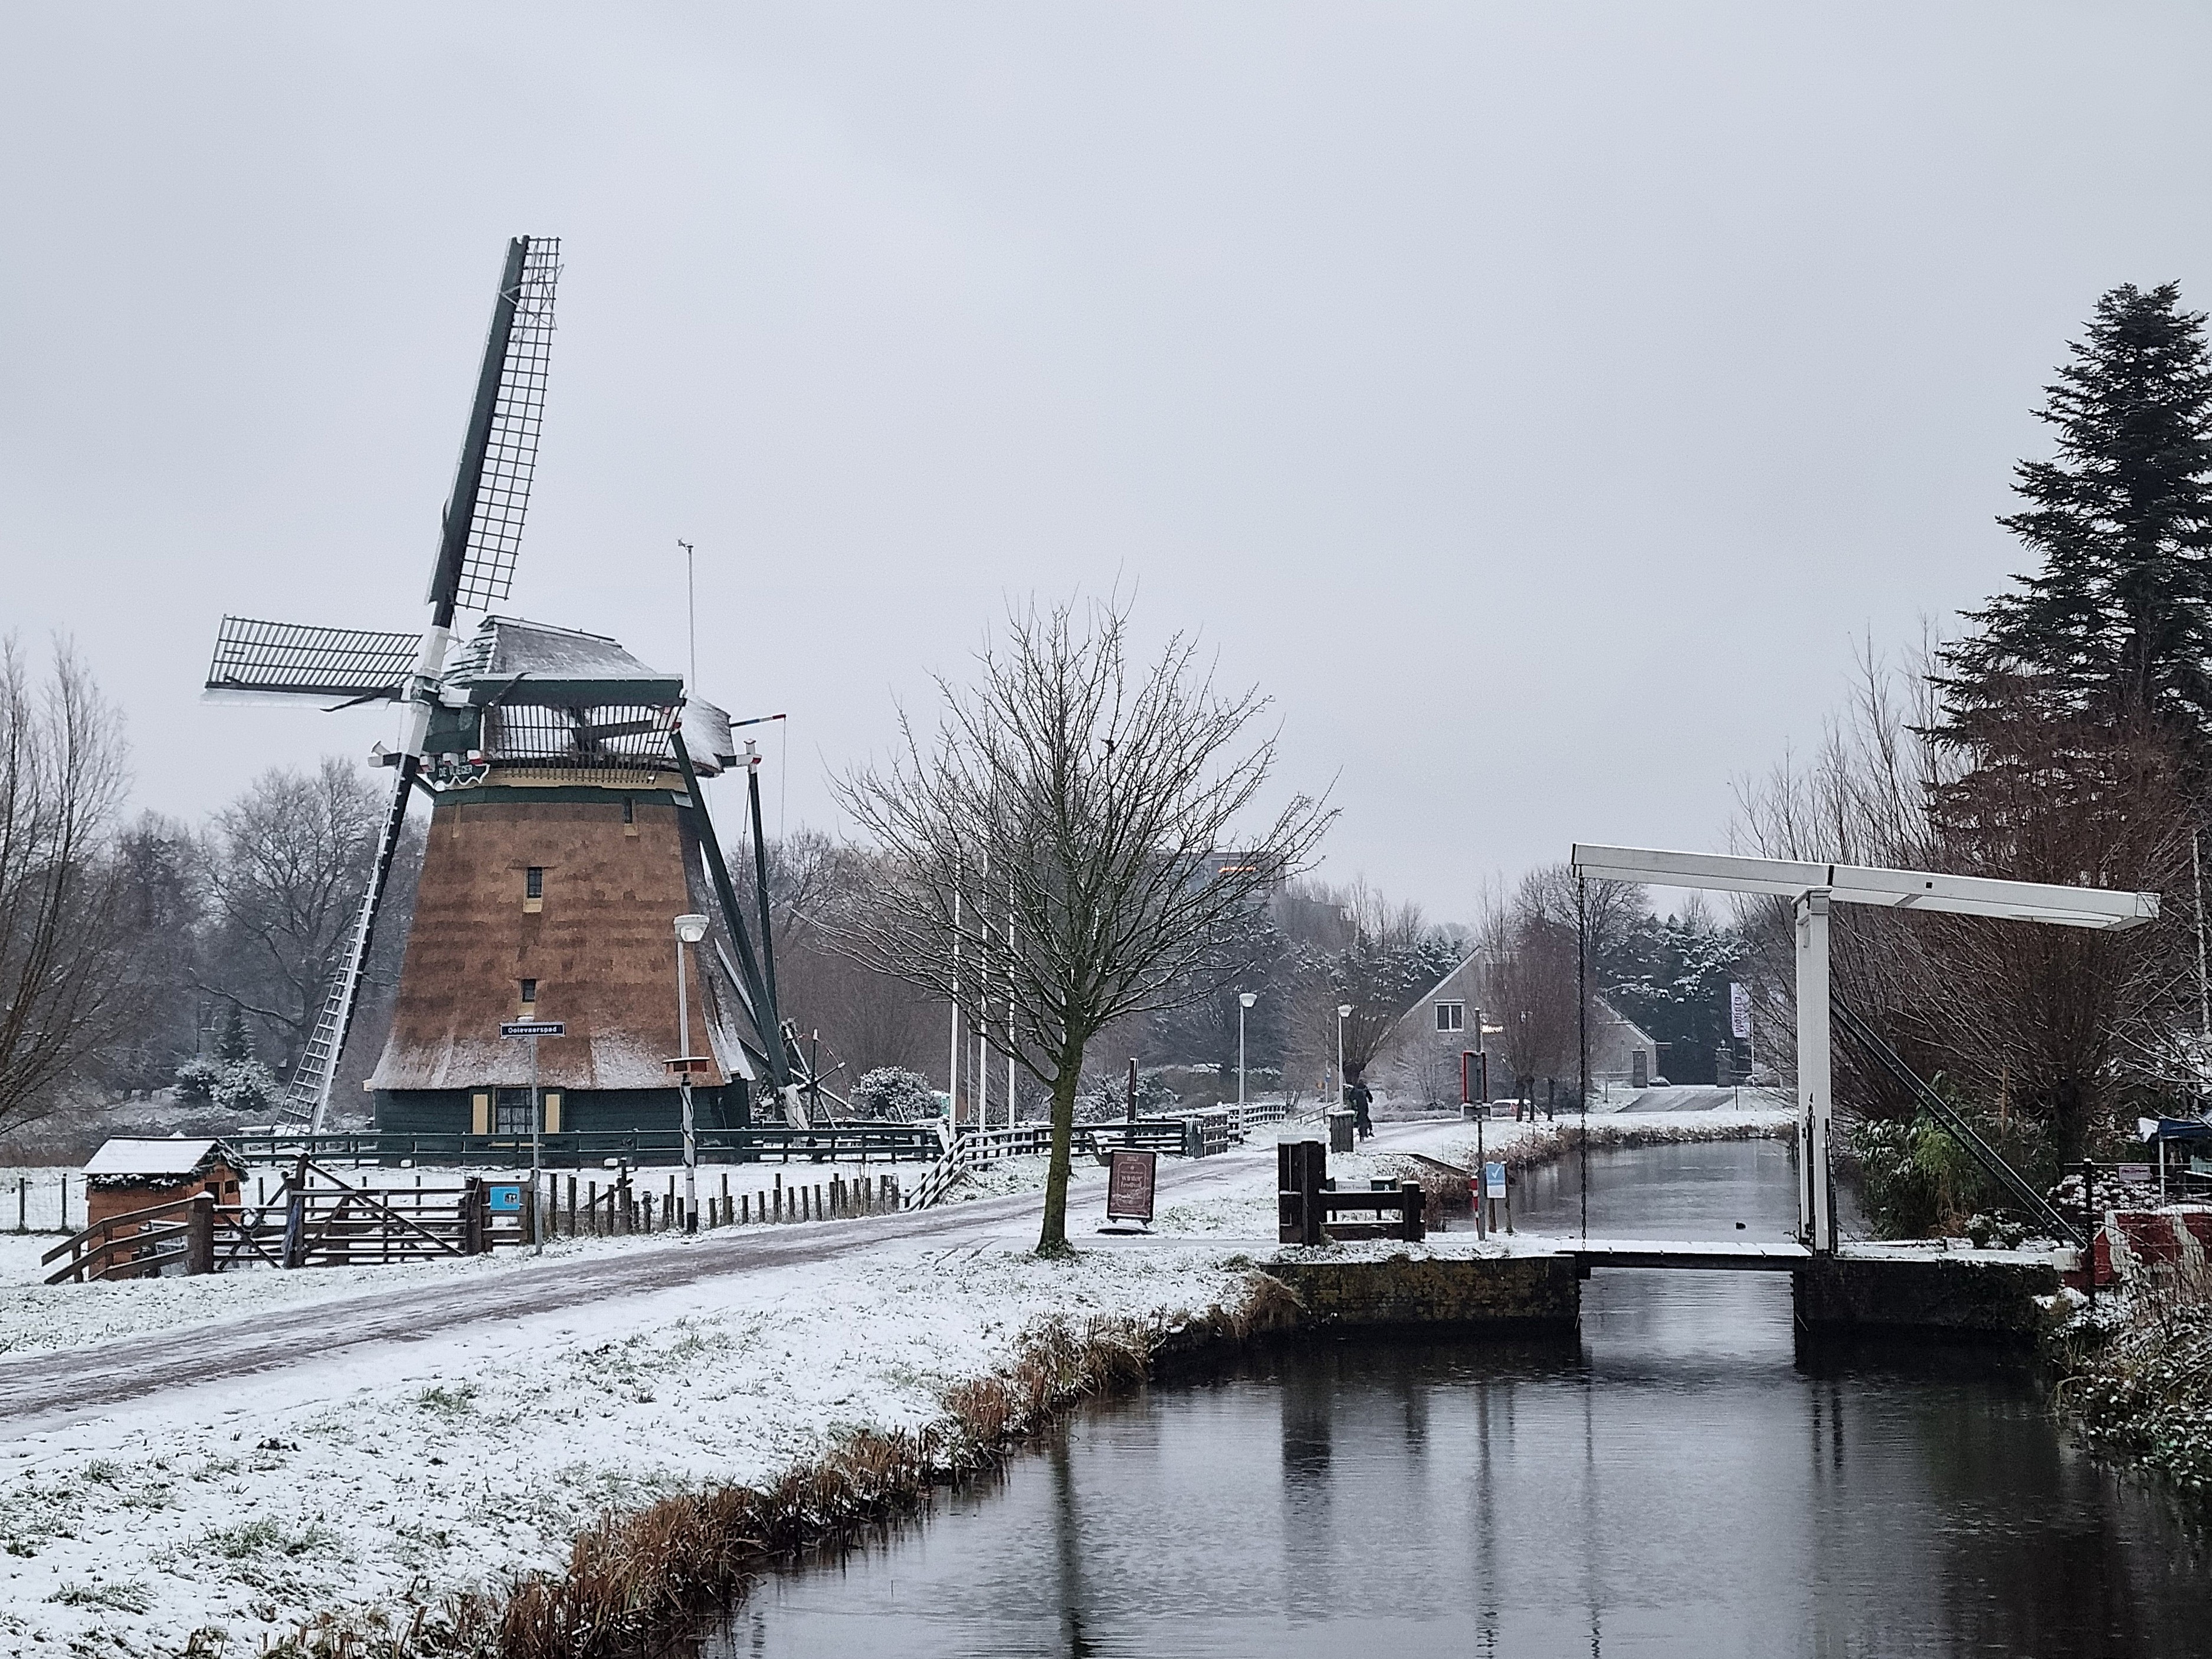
(465,1458)
(367,1472)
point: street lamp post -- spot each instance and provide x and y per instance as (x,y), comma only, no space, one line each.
(1244,1001)
(1343,1013)
(690,930)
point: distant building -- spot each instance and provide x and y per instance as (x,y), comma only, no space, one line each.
(1419,1061)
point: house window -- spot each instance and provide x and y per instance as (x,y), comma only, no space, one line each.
(533,881)
(530,990)
(629,810)
(1452,1016)
(513,1113)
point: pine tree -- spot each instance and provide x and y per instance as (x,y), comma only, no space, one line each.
(2108,646)
(234,1045)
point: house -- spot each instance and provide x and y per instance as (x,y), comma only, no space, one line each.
(129,1174)
(1419,1060)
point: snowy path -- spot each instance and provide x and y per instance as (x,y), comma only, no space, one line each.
(47,1388)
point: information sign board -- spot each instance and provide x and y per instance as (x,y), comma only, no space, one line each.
(504,1197)
(536,1027)
(1130,1180)
(1493,1180)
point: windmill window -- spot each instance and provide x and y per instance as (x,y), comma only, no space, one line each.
(629,810)
(1452,1016)
(533,881)
(530,990)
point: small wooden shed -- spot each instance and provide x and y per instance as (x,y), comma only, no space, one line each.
(130,1173)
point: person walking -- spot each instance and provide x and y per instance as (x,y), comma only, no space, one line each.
(1356,1096)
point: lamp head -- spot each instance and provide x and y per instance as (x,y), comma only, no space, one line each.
(1248,998)
(691,929)
(1344,1011)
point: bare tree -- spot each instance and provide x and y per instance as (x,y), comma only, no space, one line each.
(2056,1027)
(62,779)
(1363,951)
(1077,840)
(289,863)
(1530,978)
(819,888)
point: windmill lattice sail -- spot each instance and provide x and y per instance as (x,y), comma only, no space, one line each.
(297,659)
(510,455)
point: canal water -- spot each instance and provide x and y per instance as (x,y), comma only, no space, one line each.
(1679,1481)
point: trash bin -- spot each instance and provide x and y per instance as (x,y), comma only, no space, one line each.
(1341,1124)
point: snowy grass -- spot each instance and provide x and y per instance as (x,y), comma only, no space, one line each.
(366,1477)
(2137,1378)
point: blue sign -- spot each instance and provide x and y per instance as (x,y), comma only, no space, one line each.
(1493,1180)
(504,1197)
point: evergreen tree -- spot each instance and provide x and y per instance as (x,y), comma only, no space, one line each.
(2108,646)
(234,1045)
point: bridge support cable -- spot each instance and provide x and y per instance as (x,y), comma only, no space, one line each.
(1958,1129)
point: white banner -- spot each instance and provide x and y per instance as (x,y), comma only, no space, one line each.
(1740,1012)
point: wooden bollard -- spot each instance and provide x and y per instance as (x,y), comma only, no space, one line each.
(744,1209)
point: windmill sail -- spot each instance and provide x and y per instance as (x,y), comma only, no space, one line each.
(478,541)
(294,660)
(482,531)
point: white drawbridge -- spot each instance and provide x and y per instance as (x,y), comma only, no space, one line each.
(1812,888)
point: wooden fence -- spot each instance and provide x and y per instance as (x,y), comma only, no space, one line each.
(835,1143)
(576,1206)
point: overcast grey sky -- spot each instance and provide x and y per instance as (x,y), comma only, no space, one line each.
(1536,400)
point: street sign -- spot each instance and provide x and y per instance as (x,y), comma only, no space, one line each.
(504,1197)
(1130,1180)
(1493,1180)
(533,1028)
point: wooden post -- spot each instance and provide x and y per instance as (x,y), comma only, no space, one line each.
(1412,1202)
(1310,1179)
(199,1235)
(572,1207)
(22,1204)
(744,1209)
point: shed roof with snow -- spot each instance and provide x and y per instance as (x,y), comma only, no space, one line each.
(135,1161)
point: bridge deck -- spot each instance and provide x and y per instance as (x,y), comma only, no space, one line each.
(1752,1256)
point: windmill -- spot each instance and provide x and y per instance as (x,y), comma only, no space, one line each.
(543,749)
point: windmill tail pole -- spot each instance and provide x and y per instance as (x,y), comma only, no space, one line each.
(1960,1130)
(767,1023)
(760,882)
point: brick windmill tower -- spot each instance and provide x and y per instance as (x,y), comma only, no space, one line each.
(567,826)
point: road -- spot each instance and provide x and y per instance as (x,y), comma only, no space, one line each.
(114,1372)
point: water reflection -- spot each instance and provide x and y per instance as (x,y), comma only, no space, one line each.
(1675,1482)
